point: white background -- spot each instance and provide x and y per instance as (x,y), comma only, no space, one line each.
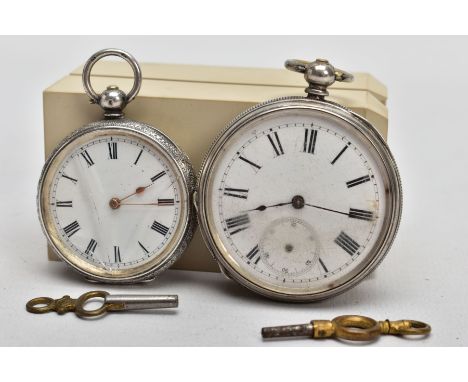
(423,276)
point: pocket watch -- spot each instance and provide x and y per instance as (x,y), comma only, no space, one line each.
(299,198)
(114,197)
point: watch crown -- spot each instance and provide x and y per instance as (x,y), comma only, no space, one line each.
(113,100)
(319,74)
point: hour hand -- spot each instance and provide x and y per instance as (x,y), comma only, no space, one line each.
(263,207)
(115,202)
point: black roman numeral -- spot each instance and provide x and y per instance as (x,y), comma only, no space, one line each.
(112,150)
(157,176)
(237,223)
(138,157)
(91,247)
(72,228)
(348,244)
(360,214)
(165,202)
(68,203)
(236,192)
(357,181)
(310,137)
(254,165)
(158,227)
(340,154)
(87,158)
(276,145)
(143,247)
(251,255)
(117,258)
(323,265)
(70,178)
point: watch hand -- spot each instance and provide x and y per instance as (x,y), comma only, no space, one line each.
(326,209)
(353,213)
(263,207)
(139,190)
(146,204)
(298,203)
(115,202)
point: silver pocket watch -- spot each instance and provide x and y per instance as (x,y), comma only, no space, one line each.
(115,197)
(299,198)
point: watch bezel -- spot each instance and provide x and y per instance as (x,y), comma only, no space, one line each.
(172,152)
(286,103)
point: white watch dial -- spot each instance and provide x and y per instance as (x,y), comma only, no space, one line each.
(297,200)
(116,202)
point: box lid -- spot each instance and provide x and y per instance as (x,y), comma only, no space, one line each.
(221,92)
(229,75)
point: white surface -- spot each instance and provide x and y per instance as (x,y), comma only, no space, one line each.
(423,277)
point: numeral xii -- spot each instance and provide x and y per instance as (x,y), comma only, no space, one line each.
(112,150)
(310,137)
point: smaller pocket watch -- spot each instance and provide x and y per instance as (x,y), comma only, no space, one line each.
(299,198)
(114,197)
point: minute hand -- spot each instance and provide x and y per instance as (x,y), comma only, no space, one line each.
(326,209)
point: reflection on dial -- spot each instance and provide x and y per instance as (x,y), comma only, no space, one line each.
(115,202)
(303,168)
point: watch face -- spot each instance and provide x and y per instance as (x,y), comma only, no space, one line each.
(298,202)
(114,203)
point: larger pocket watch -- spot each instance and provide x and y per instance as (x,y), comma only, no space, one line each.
(114,198)
(299,198)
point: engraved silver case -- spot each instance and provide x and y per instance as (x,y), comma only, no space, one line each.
(162,144)
(362,127)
